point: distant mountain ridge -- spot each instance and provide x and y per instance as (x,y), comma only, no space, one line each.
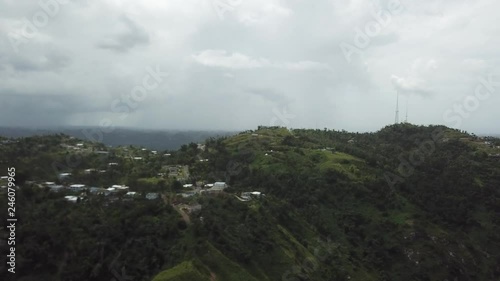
(152,139)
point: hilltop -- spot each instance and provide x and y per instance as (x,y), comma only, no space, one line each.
(404,203)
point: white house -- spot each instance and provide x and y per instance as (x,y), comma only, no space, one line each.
(119,187)
(72,199)
(109,190)
(152,196)
(64,175)
(250,195)
(76,187)
(56,188)
(219,185)
(131,194)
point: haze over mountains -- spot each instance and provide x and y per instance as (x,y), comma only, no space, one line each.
(152,139)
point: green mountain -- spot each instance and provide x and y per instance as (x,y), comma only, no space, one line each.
(405,203)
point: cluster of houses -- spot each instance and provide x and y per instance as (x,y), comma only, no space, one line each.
(207,189)
(110,191)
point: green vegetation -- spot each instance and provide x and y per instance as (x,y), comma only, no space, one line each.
(185,271)
(405,203)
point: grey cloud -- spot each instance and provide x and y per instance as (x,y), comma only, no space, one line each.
(123,42)
(26,109)
(271,95)
(46,62)
(411,85)
(232,73)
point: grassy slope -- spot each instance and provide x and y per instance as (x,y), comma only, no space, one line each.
(185,271)
(290,252)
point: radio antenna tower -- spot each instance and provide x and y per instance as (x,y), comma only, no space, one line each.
(406,118)
(396,120)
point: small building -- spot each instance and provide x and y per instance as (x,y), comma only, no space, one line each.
(89,171)
(72,199)
(56,188)
(62,176)
(96,190)
(76,187)
(188,185)
(110,190)
(119,187)
(250,195)
(219,185)
(152,196)
(187,194)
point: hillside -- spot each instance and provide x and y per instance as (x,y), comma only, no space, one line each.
(405,203)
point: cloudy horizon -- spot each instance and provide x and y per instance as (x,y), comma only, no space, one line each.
(233,64)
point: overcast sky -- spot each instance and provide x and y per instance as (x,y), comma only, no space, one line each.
(236,64)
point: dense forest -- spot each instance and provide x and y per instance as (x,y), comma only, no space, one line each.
(404,203)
